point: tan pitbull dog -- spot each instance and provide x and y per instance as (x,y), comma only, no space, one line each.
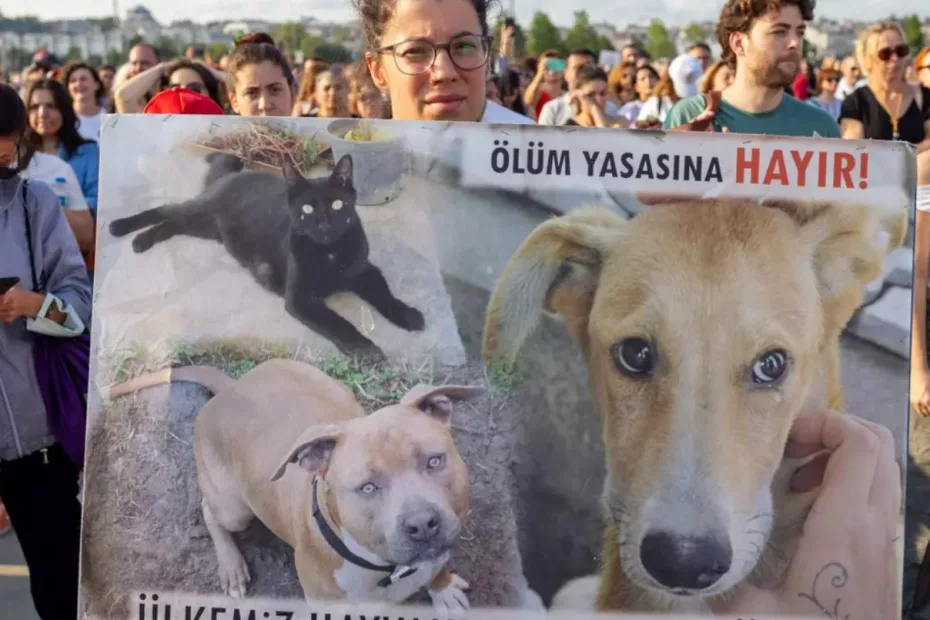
(372,505)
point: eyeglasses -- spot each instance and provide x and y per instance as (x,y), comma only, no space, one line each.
(900,51)
(466,51)
(830,80)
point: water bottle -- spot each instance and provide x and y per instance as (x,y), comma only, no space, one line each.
(60,187)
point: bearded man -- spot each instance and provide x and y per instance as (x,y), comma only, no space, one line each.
(761,41)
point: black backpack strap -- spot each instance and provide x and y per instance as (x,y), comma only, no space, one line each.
(32,258)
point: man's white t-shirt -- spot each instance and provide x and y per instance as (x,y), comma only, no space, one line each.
(495,113)
(89,126)
(49,168)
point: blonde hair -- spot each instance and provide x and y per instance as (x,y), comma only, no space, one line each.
(865,44)
(707,80)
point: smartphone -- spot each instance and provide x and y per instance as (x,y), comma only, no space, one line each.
(555,64)
(7,283)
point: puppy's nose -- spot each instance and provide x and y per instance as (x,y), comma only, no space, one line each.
(422,525)
(685,562)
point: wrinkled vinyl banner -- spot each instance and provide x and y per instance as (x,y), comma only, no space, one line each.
(461,365)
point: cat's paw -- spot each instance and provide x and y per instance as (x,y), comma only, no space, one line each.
(121,227)
(142,242)
(411,319)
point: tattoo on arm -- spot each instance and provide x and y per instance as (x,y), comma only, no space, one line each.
(827,605)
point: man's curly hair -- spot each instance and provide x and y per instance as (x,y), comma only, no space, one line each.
(740,15)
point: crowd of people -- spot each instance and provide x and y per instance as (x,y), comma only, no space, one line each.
(425,60)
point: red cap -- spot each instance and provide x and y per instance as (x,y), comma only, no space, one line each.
(179,100)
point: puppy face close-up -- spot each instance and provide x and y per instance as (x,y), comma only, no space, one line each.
(703,341)
(706,327)
(398,486)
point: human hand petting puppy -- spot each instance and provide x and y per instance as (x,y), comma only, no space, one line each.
(845,565)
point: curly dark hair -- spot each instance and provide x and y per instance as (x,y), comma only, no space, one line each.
(209,80)
(255,48)
(68,135)
(374,15)
(71,67)
(740,15)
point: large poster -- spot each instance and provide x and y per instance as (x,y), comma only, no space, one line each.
(467,366)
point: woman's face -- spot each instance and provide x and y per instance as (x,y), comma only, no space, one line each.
(443,91)
(370,102)
(494,93)
(596,91)
(891,56)
(330,91)
(188,78)
(645,83)
(81,85)
(7,151)
(262,90)
(723,78)
(828,84)
(44,116)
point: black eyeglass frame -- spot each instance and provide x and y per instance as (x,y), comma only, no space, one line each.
(485,40)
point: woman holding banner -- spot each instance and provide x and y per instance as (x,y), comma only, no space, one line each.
(433,58)
(45,301)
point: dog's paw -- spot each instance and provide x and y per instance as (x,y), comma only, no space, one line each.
(234,575)
(452,598)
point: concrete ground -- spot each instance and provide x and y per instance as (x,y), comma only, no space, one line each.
(15,599)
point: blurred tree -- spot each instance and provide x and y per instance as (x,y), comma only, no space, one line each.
(543,35)
(94,60)
(808,49)
(167,48)
(582,35)
(115,58)
(333,52)
(660,44)
(694,33)
(290,36)
(74,53)
(913,33)
(217,50)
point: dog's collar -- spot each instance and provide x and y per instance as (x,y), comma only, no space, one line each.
(395,572)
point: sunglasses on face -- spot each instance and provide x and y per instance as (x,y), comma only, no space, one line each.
(899,51)
(830,80)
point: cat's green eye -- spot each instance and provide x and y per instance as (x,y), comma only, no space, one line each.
(337,204)
(308,209)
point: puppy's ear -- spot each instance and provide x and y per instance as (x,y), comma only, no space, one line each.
(849,246)
(436,402)
(556,269)
(312,450)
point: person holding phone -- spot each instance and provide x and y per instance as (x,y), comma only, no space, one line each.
(559,111)
(589,97)
(546,84)
(38,480)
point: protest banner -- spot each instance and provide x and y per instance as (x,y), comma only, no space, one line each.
(461,365)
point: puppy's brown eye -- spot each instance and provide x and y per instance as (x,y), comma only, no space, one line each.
(769,368)
(634,357)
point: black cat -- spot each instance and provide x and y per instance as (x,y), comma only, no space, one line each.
(301,239)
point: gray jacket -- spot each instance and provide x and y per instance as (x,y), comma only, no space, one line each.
(23,425)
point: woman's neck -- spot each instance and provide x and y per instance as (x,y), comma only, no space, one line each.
(86,107)
(883,87)
(50,144)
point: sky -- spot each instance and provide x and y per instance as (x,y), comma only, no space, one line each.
(617,12)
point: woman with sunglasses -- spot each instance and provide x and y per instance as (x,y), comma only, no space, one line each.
(887,107)
(825,93)
(432,58)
